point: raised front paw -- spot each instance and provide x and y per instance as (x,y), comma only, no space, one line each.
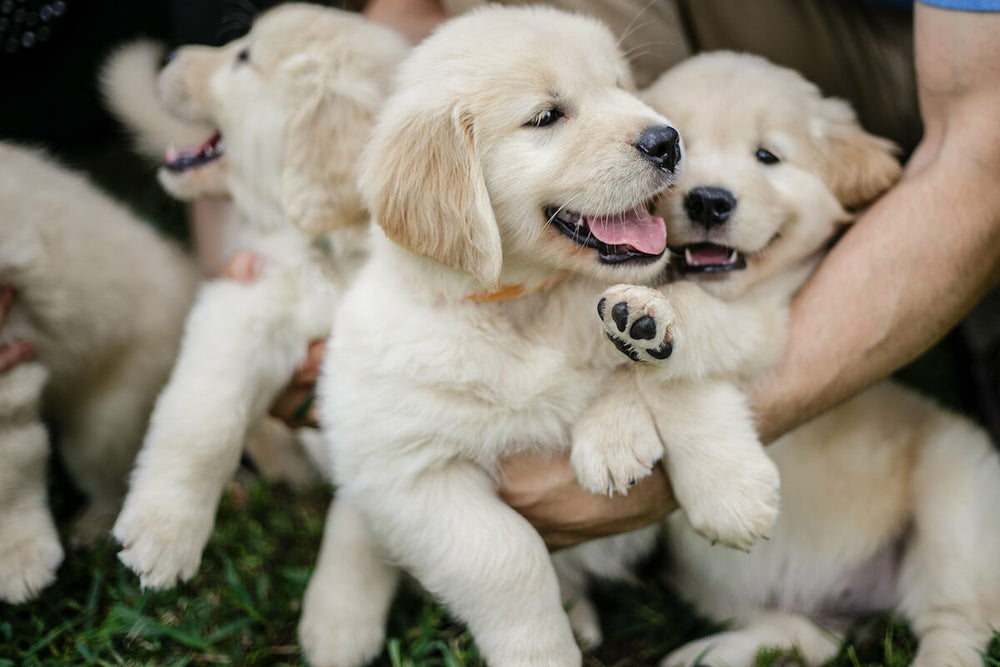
(162,545)
(638,320)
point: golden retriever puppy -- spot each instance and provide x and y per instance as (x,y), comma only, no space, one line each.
(888,501)
(103,298)
(293,101)
(128,83)
(509,176)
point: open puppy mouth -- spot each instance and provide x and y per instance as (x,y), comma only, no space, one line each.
(709,258)
(629,236)
(178,161)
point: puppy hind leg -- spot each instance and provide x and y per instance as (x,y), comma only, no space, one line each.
(739,647)
(479,557)
(580,609)
(346,604)
(98,445)
(29,544)
(948,584)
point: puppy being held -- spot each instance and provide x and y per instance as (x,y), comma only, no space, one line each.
(292,102)
(509,176)
(102,299)
(888,501)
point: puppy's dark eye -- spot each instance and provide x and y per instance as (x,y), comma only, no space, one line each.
(243,56)
(547,118)
(765,156)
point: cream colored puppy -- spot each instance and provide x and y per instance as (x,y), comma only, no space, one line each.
(888,501)
(293,102)
(509,175)
(103,298)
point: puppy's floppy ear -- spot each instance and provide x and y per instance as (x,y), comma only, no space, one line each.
(424,184)
(858,166)
(323,142)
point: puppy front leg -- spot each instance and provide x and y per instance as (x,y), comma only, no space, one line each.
(615,442)
(721,476)
(29,545)
(479,557)
(346,604)
(235,356)
(679,331)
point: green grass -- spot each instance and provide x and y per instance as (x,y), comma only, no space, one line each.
(243,606)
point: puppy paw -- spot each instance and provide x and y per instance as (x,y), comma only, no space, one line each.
(614,445)
(162,546)
(638,320)
(738,508)
(586,624)
(339,639)
(29,564)
(726,649)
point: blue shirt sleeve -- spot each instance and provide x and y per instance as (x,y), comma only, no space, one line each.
(966,5)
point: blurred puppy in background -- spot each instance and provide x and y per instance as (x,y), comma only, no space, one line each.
(102,298)
(291,105)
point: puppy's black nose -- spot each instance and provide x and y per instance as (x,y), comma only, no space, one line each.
(660,145)
(709,206)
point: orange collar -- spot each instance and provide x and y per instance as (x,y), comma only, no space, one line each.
(507,292)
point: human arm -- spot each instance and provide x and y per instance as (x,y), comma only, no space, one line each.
(414,19)
(917,261)
(904,274)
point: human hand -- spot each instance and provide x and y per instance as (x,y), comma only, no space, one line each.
(13,353)
(295,405)
(544,490)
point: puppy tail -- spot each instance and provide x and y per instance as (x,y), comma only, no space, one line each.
(127,84)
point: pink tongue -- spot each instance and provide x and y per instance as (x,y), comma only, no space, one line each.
(636,228)
(706,253)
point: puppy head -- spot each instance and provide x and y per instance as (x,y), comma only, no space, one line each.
(293,102)
(773,168)
(513,147)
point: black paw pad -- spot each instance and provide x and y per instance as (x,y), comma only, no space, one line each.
(624,348)
(663,351)
(643,328)
(620,315)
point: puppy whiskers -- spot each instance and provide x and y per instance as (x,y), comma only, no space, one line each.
(632,27)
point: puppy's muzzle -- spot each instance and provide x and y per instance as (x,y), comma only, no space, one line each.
(660,145)
(709,206)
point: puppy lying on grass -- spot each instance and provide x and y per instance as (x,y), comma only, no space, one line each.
(888,501)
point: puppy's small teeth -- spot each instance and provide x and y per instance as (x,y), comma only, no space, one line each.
(733,256)
(688,259)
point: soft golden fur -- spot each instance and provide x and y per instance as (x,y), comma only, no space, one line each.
(508,175)
(294,101)
(102,297)
(888,501)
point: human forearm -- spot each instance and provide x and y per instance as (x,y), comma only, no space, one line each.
(915,263)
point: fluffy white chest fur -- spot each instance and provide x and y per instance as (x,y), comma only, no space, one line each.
(424,378)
